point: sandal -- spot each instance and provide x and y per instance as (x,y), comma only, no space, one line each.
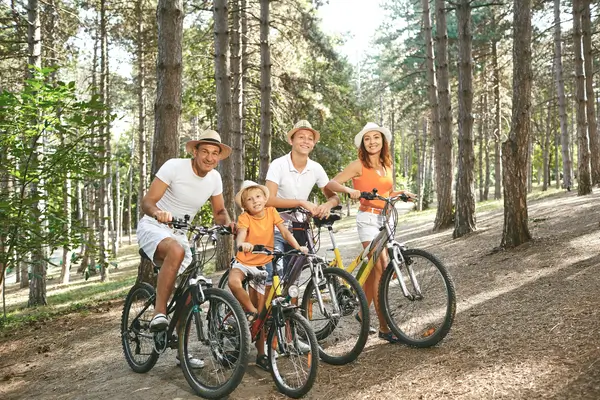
(389,336)
(372,330)
(262,362)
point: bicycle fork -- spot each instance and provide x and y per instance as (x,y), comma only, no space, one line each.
(397,260)
(316,276)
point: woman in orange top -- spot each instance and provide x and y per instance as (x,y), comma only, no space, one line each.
(373,169)
(255,226)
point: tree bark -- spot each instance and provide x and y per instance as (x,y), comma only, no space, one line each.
(237,97)
(141,103)
(584,183)
(514,149)
(224,116)
(443,165)
(432,90)
(594,140)
(464,220)
(497,125)
(486,147)
(265,92)
(66,257)
(562,108)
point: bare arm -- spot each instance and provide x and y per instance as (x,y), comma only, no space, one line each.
(220,213)
(155,192)
(240,241)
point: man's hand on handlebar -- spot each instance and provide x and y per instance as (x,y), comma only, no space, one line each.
(163,216)
(303,249)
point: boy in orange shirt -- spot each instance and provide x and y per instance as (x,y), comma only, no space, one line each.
(255,226)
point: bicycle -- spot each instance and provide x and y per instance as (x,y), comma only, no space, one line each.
(424,313)
(195,311)
(291,341)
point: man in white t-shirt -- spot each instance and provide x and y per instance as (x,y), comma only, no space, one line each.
(181,186)
(291,178)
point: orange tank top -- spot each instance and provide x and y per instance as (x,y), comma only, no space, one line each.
(370,179)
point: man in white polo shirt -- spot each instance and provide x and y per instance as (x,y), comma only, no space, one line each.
(291,178)
(181,186)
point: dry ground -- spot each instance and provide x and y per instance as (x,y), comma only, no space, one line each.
(527,327)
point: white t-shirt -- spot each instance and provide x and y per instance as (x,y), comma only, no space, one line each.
(292,184)
(187,192)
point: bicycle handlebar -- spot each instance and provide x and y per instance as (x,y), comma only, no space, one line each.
(374,196)
(183,223)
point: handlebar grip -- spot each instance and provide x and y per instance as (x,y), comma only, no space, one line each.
(258,247)
(367,195)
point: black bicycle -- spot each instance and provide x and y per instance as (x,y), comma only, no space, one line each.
(207,324)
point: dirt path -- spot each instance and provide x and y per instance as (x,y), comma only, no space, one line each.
(527,327)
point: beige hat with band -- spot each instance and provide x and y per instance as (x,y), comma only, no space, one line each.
(300,125)
(372,126)
(209,137)
(247,185)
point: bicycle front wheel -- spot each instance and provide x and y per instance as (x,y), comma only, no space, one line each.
(136,338)
(293,354)
(342,326)
(217,333)
(423,316)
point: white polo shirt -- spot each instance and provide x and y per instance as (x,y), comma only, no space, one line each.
(294,185)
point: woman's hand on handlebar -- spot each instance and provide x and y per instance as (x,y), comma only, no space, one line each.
(353,193)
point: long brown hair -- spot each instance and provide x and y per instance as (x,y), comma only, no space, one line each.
(384,155)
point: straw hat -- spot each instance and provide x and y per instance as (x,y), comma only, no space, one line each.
(303,124)
(210,137)
(246,185)
(372,126)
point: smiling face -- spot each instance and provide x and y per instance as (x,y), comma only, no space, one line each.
(206,158)
(254,200)
(373,142)
(303,141)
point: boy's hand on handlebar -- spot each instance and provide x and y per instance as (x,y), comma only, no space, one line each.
(246,247)
(163,216)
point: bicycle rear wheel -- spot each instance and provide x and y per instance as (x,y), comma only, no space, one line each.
(342,328)
(136,338)
(292,352)
(216,332)
(418,320)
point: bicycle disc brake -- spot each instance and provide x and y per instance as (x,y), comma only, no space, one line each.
(346,300)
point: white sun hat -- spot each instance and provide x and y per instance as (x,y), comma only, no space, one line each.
(303,124)
(246,185)
(372,126)
(210,137)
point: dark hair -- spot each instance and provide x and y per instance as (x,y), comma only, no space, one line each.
(384,156)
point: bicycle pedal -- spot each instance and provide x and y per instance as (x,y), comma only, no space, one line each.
(160,342)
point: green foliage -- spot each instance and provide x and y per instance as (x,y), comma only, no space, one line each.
(47,135)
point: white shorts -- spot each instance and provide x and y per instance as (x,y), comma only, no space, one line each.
(368,225)
(150,233)
(257,276)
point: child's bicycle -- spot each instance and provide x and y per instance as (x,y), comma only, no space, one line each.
(416,292)
(291,343)
(195,311)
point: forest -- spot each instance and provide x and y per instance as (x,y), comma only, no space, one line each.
(486,100)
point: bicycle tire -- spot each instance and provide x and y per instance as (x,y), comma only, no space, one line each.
(228,342)
(292,322)
(437,307)
(135,328)
(342,338)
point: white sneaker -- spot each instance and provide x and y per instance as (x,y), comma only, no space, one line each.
(159,323)
(195,363)
(303,347)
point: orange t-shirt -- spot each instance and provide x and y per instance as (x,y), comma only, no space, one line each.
(259,231)
(370,179)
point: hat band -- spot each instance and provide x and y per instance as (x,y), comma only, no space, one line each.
(209,140)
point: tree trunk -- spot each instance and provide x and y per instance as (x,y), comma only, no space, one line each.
(464,221)
(66,257)
(37,284)
(244,77)
(167,108)
(237,97)
(589,89)
(130,189)
(443,165)
(265,92)
(486,141)
(420,153)
(141,104)
(497,125)
(480,140)
(546,145)
(393,143)
(432,90)
(224,115)
(118,210)
(584,184)
(514,149)
(562,108)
